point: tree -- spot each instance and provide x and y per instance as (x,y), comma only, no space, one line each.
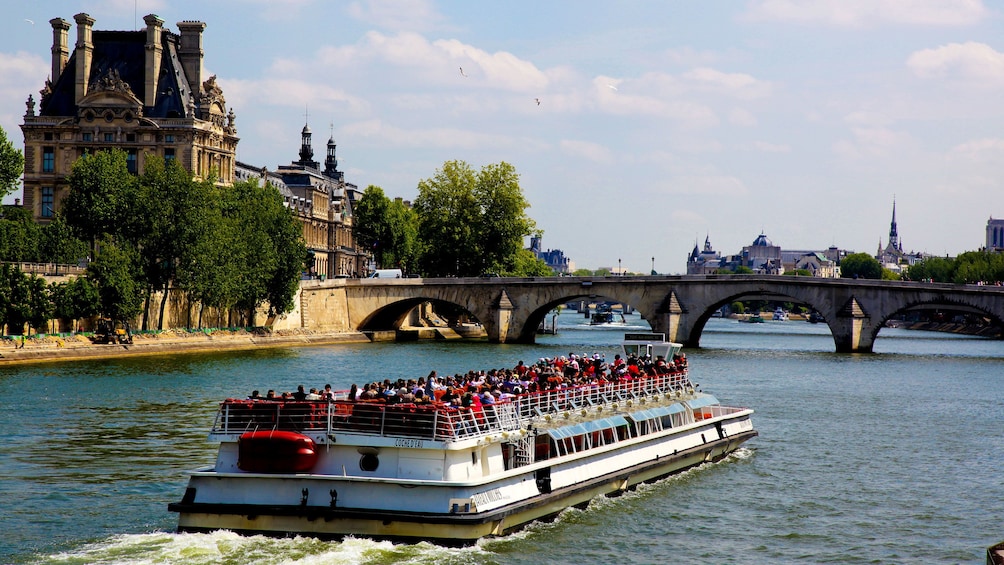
(402,224)
(19,235)
(75,299)
(11,165)
(172,217)
(471,222)
(58,244)
(116,274)
(369,222)
(934,269)
(23,299)
(101,198)
(860,265)
(252,252)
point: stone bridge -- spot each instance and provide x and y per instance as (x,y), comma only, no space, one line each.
(511,309)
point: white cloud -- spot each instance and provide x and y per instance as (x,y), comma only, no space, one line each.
(872,142)
(771,147)
(969,62)
(740,85)
(742,117)
(592,152)
(703,185)
(986,149)
(862,13)
(416,15)
(380,133)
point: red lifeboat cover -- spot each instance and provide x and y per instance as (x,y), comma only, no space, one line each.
(275,452)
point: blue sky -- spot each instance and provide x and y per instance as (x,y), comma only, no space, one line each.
(659,122)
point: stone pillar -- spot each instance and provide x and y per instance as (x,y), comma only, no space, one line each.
(60,46)
(503,316)
(852,329)
(85,50)
(154,51)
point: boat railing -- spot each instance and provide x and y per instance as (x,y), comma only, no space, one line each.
(430,422)
(436,421)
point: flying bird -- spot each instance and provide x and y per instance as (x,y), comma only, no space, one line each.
(611,87)
(537,100)
(462,73)
(29,21)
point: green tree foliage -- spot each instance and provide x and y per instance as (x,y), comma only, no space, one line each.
(251,253)
(369,222)
(11,165)
(24,299)
(172,215)
(860,265)
(934,269)
(116,272)
(58,243)
(403,223)
(19,235)
(102,196)
(387,228)
(75,299)
(471,222)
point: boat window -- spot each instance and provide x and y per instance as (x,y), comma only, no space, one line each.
(369,462)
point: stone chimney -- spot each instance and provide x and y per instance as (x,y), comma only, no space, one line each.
(85,50)
(154,51)
(190,53)
(60,46)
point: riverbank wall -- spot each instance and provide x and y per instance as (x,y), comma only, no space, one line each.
(78,347)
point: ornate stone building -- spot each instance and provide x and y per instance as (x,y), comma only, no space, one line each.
(322,201)
(140,91)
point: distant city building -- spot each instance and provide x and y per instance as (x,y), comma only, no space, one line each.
(322,201)
(763,257)
(816,262)
(706,262)
(139,91)
(892,256)
(995,235)
(555,258)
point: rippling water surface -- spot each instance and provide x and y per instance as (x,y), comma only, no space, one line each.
(892,457)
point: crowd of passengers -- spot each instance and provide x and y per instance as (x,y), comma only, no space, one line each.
(488,387)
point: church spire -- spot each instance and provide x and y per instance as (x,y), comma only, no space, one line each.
(893,232)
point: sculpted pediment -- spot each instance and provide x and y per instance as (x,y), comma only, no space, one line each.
(109,91)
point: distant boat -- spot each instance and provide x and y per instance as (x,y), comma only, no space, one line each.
(753,319)
(816,317)
(780,315)
(606,318)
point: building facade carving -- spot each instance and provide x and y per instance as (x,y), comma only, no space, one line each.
(138,91)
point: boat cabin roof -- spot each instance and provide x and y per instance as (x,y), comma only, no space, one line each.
(652,344)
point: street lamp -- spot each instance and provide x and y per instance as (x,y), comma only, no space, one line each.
(619,271)
(653,265)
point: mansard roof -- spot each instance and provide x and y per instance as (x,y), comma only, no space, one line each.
(121,55)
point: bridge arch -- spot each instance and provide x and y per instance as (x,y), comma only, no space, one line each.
(511,309)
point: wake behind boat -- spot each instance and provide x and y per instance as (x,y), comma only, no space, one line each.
(481,457)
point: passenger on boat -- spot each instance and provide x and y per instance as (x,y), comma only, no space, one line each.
(300,394)
(255,395)
(353,393)
(270,395)
(328,394)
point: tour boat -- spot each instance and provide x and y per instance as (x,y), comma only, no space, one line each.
(451,475)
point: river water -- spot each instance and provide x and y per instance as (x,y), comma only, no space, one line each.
(890,457)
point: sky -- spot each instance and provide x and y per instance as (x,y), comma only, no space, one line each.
(638,128)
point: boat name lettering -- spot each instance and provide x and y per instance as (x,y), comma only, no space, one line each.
(482,498)
(408,442)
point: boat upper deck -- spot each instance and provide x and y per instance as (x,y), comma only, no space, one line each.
(437,421)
